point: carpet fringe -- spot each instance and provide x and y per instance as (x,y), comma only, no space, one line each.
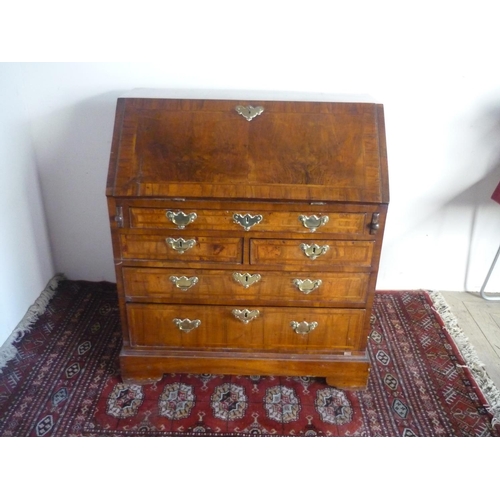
(7,350)
(476,367)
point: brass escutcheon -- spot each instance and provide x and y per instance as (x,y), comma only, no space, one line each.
(247,221)
(246,279)
(314,251)
(249,112)
(246,315)
(180,245)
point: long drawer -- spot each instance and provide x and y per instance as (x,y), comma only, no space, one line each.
(224,286)
(266,328)
(238,220)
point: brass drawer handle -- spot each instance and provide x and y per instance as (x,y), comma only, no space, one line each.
(180,245)
(303,328)
(247,221)
(180,219)
(249,112)
(314,251)
(313,222)
(307,286)
(245,315)
(183,282)
(246,279)
(186,325)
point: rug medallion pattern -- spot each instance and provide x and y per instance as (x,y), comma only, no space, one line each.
(65,381)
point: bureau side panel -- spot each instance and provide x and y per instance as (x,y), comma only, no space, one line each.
(115,148)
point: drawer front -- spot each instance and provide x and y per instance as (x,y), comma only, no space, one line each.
(311,252)
(217,286)
(274,328)
(223,220)
(192,248)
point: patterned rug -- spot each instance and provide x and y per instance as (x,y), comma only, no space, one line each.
(64,381)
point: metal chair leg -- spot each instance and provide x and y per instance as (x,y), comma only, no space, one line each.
(482,292)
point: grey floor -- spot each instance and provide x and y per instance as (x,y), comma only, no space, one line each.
(480,321)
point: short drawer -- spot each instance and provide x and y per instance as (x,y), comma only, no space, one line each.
(311,252)
(224,286)
(189,248)
(272,328)
(224,220)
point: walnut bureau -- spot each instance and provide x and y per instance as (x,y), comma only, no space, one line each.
(247,236)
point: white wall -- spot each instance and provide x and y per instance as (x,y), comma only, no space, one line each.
(25,256)
(434,66)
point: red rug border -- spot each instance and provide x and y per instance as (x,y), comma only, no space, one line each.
(455,348)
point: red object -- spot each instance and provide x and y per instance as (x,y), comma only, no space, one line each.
(496,194)
(65,381)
